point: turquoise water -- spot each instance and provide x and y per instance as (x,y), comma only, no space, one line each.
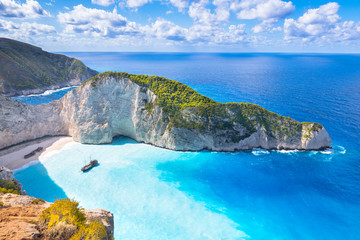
(46,97)
(160,194)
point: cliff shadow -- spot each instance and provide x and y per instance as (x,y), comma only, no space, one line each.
(37,183)
(123,140)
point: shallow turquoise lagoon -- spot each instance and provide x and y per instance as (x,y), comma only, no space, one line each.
(160,194)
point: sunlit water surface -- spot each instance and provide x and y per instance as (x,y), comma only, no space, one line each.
(160,194)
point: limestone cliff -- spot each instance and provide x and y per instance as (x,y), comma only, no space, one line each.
(20,122)
(157,111)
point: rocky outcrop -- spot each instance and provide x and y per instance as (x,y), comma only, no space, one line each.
(103,216)
(19,218)
(20,215)
(8,175)
(27,69)
(111,105)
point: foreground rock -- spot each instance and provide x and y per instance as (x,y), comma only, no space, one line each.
(157,111)
(19,217)
(26,69)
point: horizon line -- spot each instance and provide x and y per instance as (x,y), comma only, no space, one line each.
(164,52)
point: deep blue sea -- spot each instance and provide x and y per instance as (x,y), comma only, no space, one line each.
(161,194)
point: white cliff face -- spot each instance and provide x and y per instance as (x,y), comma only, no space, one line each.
(20,122)
(97,111)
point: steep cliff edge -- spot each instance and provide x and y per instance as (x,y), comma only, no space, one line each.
(161,112)
(20,122)
(26,69)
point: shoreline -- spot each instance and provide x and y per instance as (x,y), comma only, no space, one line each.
(13,157)
(36,92)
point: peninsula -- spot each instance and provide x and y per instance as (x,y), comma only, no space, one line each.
(157,111)
(26,69)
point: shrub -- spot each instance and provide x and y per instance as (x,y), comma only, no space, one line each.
(38,200)
(62,231)
(64,220)
(95,230)
(1,204)
(7,186)
(63,210)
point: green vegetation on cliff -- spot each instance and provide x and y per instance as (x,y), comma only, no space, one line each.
(172,95)
(7,186)
(24,67)
(187,109)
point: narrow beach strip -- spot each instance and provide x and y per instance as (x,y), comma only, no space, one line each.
(13,157)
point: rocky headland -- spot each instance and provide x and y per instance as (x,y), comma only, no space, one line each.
(27,69)
(156,111)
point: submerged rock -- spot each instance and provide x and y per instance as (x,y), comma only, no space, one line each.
(157,111)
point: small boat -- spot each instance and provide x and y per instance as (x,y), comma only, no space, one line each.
(29,154)
(39,149)
(89,166)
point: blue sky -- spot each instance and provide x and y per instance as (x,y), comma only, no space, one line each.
(184,25)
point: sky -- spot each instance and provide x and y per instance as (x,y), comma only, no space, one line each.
(184,25)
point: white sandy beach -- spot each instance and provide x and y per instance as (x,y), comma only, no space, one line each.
(13,158)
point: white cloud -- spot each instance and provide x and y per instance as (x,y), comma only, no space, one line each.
(30,9)
(198,34)
(165,29)
(321,25)
(200,14)
(96,22)
(180,4)
(136,3)
(266,26)
(25,28)
(262,9)
(235,35)
(215,35)
(104,3)
(324,14)
(208,28)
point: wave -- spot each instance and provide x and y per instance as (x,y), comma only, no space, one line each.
(287,151)
(329,151)
(335,150)
(341,149)
(258,152)
(47,92)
